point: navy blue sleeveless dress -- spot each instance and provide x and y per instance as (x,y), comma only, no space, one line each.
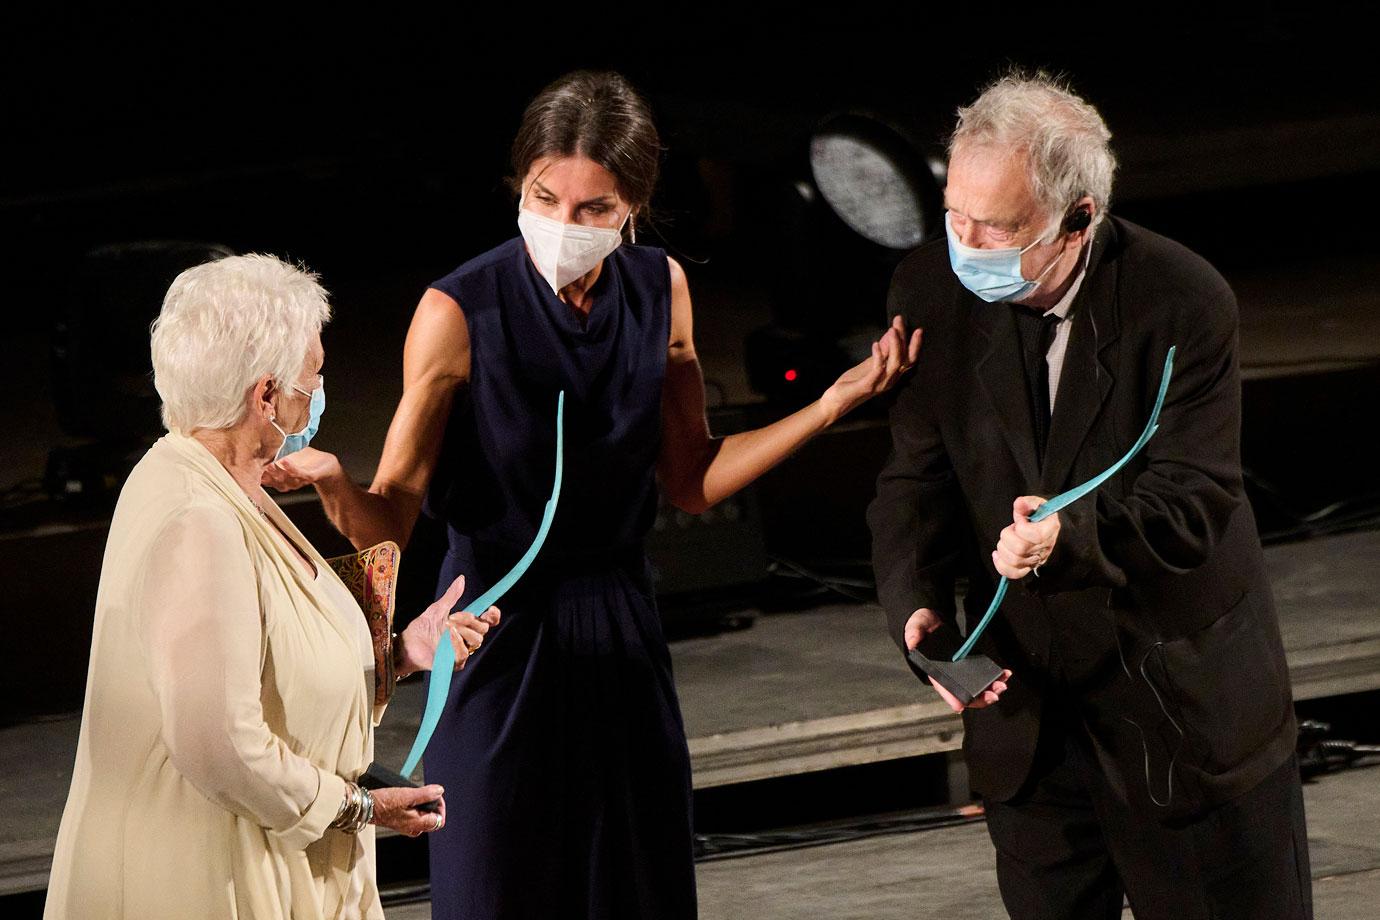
(562,749)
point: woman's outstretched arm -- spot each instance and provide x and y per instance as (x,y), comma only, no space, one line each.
(436,363)
(697,470)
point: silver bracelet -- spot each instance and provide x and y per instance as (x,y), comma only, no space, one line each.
(344,806)
(346,815)
(368,817)
(356,811)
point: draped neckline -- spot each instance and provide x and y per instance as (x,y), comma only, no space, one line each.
(204,463)
(603,297)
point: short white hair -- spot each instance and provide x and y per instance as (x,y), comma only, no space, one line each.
(1063,138)
(224,325)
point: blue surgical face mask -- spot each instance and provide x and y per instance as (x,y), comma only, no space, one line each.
(992,274)
(298,440)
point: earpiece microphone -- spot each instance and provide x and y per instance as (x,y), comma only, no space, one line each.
(1078,220)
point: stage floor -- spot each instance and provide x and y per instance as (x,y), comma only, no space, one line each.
(953,869)
(803,691)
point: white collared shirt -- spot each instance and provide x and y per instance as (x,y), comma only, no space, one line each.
(1055,356)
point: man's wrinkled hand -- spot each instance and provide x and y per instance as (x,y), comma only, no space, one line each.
(1023,546)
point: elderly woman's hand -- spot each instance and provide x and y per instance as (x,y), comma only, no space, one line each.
(892,355)
(305,467)
(396,807)
(466,632)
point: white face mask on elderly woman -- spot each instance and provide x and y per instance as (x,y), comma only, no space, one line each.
(564,252)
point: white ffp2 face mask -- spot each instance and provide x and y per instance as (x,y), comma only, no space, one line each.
(565,252)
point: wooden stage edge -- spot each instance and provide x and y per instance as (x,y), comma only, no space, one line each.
(929,728)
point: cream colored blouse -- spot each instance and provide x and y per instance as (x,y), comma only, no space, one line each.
(228,698)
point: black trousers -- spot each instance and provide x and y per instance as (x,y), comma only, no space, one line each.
(1068,848)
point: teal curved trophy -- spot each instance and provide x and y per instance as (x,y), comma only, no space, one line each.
(1064,499)
(443,663)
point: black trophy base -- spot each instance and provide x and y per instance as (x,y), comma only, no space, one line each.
(965,679)
(380,777)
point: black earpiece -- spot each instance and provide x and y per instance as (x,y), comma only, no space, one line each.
(1078,220)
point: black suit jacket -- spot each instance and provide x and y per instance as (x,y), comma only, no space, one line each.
(1152,620)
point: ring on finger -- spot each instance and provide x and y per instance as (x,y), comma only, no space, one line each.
(438,822)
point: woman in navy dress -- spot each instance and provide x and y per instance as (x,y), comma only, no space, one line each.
(561,748)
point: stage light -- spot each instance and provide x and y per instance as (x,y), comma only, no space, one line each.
(876,181)
(862,196)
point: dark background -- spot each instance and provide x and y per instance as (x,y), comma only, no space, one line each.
(373,148)
(380,142)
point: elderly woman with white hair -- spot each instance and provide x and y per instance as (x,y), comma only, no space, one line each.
(229,704)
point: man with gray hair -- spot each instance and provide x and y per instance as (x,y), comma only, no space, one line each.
(1140,739)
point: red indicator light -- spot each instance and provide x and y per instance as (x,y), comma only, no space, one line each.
(791,374)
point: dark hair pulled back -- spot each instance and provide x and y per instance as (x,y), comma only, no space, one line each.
(598,115)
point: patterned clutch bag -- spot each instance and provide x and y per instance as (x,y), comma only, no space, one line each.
(372,577)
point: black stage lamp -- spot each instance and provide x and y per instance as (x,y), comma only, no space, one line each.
(101,368)
(870,196)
